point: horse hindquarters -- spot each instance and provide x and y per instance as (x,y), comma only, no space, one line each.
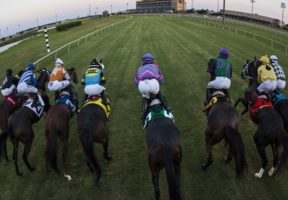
(88,147)
(236,143)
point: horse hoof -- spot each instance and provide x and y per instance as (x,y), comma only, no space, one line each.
(257,175)
(271,171)
(32,169)
(227,159)
(67,177)
(19,174)
(204,166)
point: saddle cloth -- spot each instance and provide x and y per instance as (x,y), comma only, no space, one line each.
(260,103)
(157,111)
(99,102)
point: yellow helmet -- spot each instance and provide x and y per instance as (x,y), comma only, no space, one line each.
(265,59)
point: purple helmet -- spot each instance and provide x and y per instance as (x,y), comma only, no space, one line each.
(224,53)
(148,57)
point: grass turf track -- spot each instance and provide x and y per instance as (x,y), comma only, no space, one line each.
(181,48)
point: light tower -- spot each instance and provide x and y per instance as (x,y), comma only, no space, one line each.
(252,9)
(223,17)
(283,6)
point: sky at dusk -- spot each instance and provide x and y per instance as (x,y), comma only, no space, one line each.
(17,15)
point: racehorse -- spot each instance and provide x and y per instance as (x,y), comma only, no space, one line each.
(164,150)
(57,126)
(43,79)
(223,123)
(270,130)
(7,107)
(20,129)
(92,127)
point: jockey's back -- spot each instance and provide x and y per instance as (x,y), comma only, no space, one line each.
(93,75)
(149,71)
(57,74)
(28,77)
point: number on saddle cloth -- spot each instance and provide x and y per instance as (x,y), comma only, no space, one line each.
(37,108)
(277,97)
(157,111)
(67,100)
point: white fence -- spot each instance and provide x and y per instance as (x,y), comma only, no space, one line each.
(84,38)
(274,44)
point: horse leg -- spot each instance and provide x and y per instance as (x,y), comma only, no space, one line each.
(89,165)
(27,148)
(229,156)
(106,153)
(15,156)
(64,158)
(209,150)
(5,151)
(275,159)
(262,153)
(155,181)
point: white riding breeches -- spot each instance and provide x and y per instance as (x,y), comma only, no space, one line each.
(148,86)
(94,89)
(24,88)
(281,84)
(58,85)
(7,91)
(220,83)
(267,86)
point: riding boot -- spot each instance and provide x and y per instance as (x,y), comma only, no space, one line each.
(144,109)
(208,96)
(226,92)
(105,100)
(164,102)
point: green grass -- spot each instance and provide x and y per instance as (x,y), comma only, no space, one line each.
(182,50)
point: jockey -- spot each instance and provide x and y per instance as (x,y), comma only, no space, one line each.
(281,82)
(220,70)
(94,79)
(27,83)
(266,77)
(148,79)
(9,83)
(59,78)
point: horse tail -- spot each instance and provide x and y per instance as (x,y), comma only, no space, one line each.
(51,151)
(173,184)
(3,142)
(284,141)
(236,142)
(88,147)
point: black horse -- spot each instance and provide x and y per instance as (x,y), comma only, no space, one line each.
(43,78)
(57,126)
(92,127)
(270,130)
(223,123)
(164,150)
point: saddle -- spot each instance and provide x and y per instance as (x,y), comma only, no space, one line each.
(217,96)
(65,98)
(13,100)
(157,111)
(261,102)
(97,100)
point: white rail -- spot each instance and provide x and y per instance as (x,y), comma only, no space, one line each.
(79,39)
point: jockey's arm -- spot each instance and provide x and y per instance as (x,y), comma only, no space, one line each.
(67,76)
(33,80)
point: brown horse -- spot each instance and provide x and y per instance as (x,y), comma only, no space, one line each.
(223,123)
(92,127)
(20,129)
(164,151)
(57,126)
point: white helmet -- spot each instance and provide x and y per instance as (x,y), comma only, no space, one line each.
(58,62)
(273,59)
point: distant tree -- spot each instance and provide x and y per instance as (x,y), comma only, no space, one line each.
(105,13)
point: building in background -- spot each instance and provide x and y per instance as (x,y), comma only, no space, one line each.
(160,5)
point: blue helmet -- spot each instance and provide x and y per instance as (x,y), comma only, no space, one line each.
(148,57)
(224,53)
(30,66)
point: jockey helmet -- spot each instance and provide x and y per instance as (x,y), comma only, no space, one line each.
(148,57)
(224,53)
(265,59)
(30,66)
(273,59)
(58,62)
(9,72)
(94,62)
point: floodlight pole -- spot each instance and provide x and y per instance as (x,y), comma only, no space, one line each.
(223,16)
(283,6)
